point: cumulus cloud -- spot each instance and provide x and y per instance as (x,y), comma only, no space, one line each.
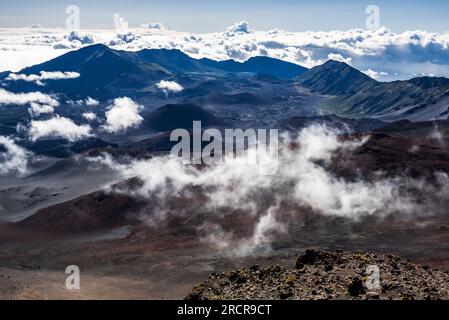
(58,127)
(37,109)
(339,57)
(74,40)
(119,22)
(7,97)
(44,75)
(375,74)
(84,38)
(13,158)
(90,102)
(122,115)
(89,116)
(169,86)
(398,55)
(123,38)
(303,181)
(241,27)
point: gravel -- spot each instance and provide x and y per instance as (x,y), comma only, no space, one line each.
(338,275)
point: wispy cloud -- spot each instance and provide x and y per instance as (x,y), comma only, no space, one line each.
(13,159)
(303,181)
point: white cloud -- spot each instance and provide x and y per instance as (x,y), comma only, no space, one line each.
(375,74)
(73,40)
(167,86)
(58,127)
(14,57)
(92,102)
(14,159)
(7,97)
(399,54)
(122,115)
(339,57)
(119,22)
(154,25)
(303,181)
(44,75)
(89,116)
(241,27)
(37,109)
(83,38)
(123,38)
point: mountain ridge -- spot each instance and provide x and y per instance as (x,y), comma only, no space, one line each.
(355,95)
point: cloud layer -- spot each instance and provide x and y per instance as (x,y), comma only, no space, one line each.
(387,54)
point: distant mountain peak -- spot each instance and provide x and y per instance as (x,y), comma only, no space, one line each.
(335,78)
(259,65)
(337,64)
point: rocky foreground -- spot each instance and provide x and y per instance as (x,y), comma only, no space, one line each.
(329,275)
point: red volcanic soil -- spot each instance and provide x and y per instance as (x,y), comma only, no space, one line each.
(164,258)
(94,212)
(395,155)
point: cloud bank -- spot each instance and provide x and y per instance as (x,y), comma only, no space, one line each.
(391,55)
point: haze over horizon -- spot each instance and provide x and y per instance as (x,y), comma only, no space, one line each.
(214,16)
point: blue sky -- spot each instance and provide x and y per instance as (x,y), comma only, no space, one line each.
(210,15)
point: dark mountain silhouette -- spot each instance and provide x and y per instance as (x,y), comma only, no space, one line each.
(259,65)
(335,78)
(93,212)
(178,62)
(357,95)
(102,71)
(173,60)
(355,125)
(105,72)
(174,116)
(244,98)
(61,148)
